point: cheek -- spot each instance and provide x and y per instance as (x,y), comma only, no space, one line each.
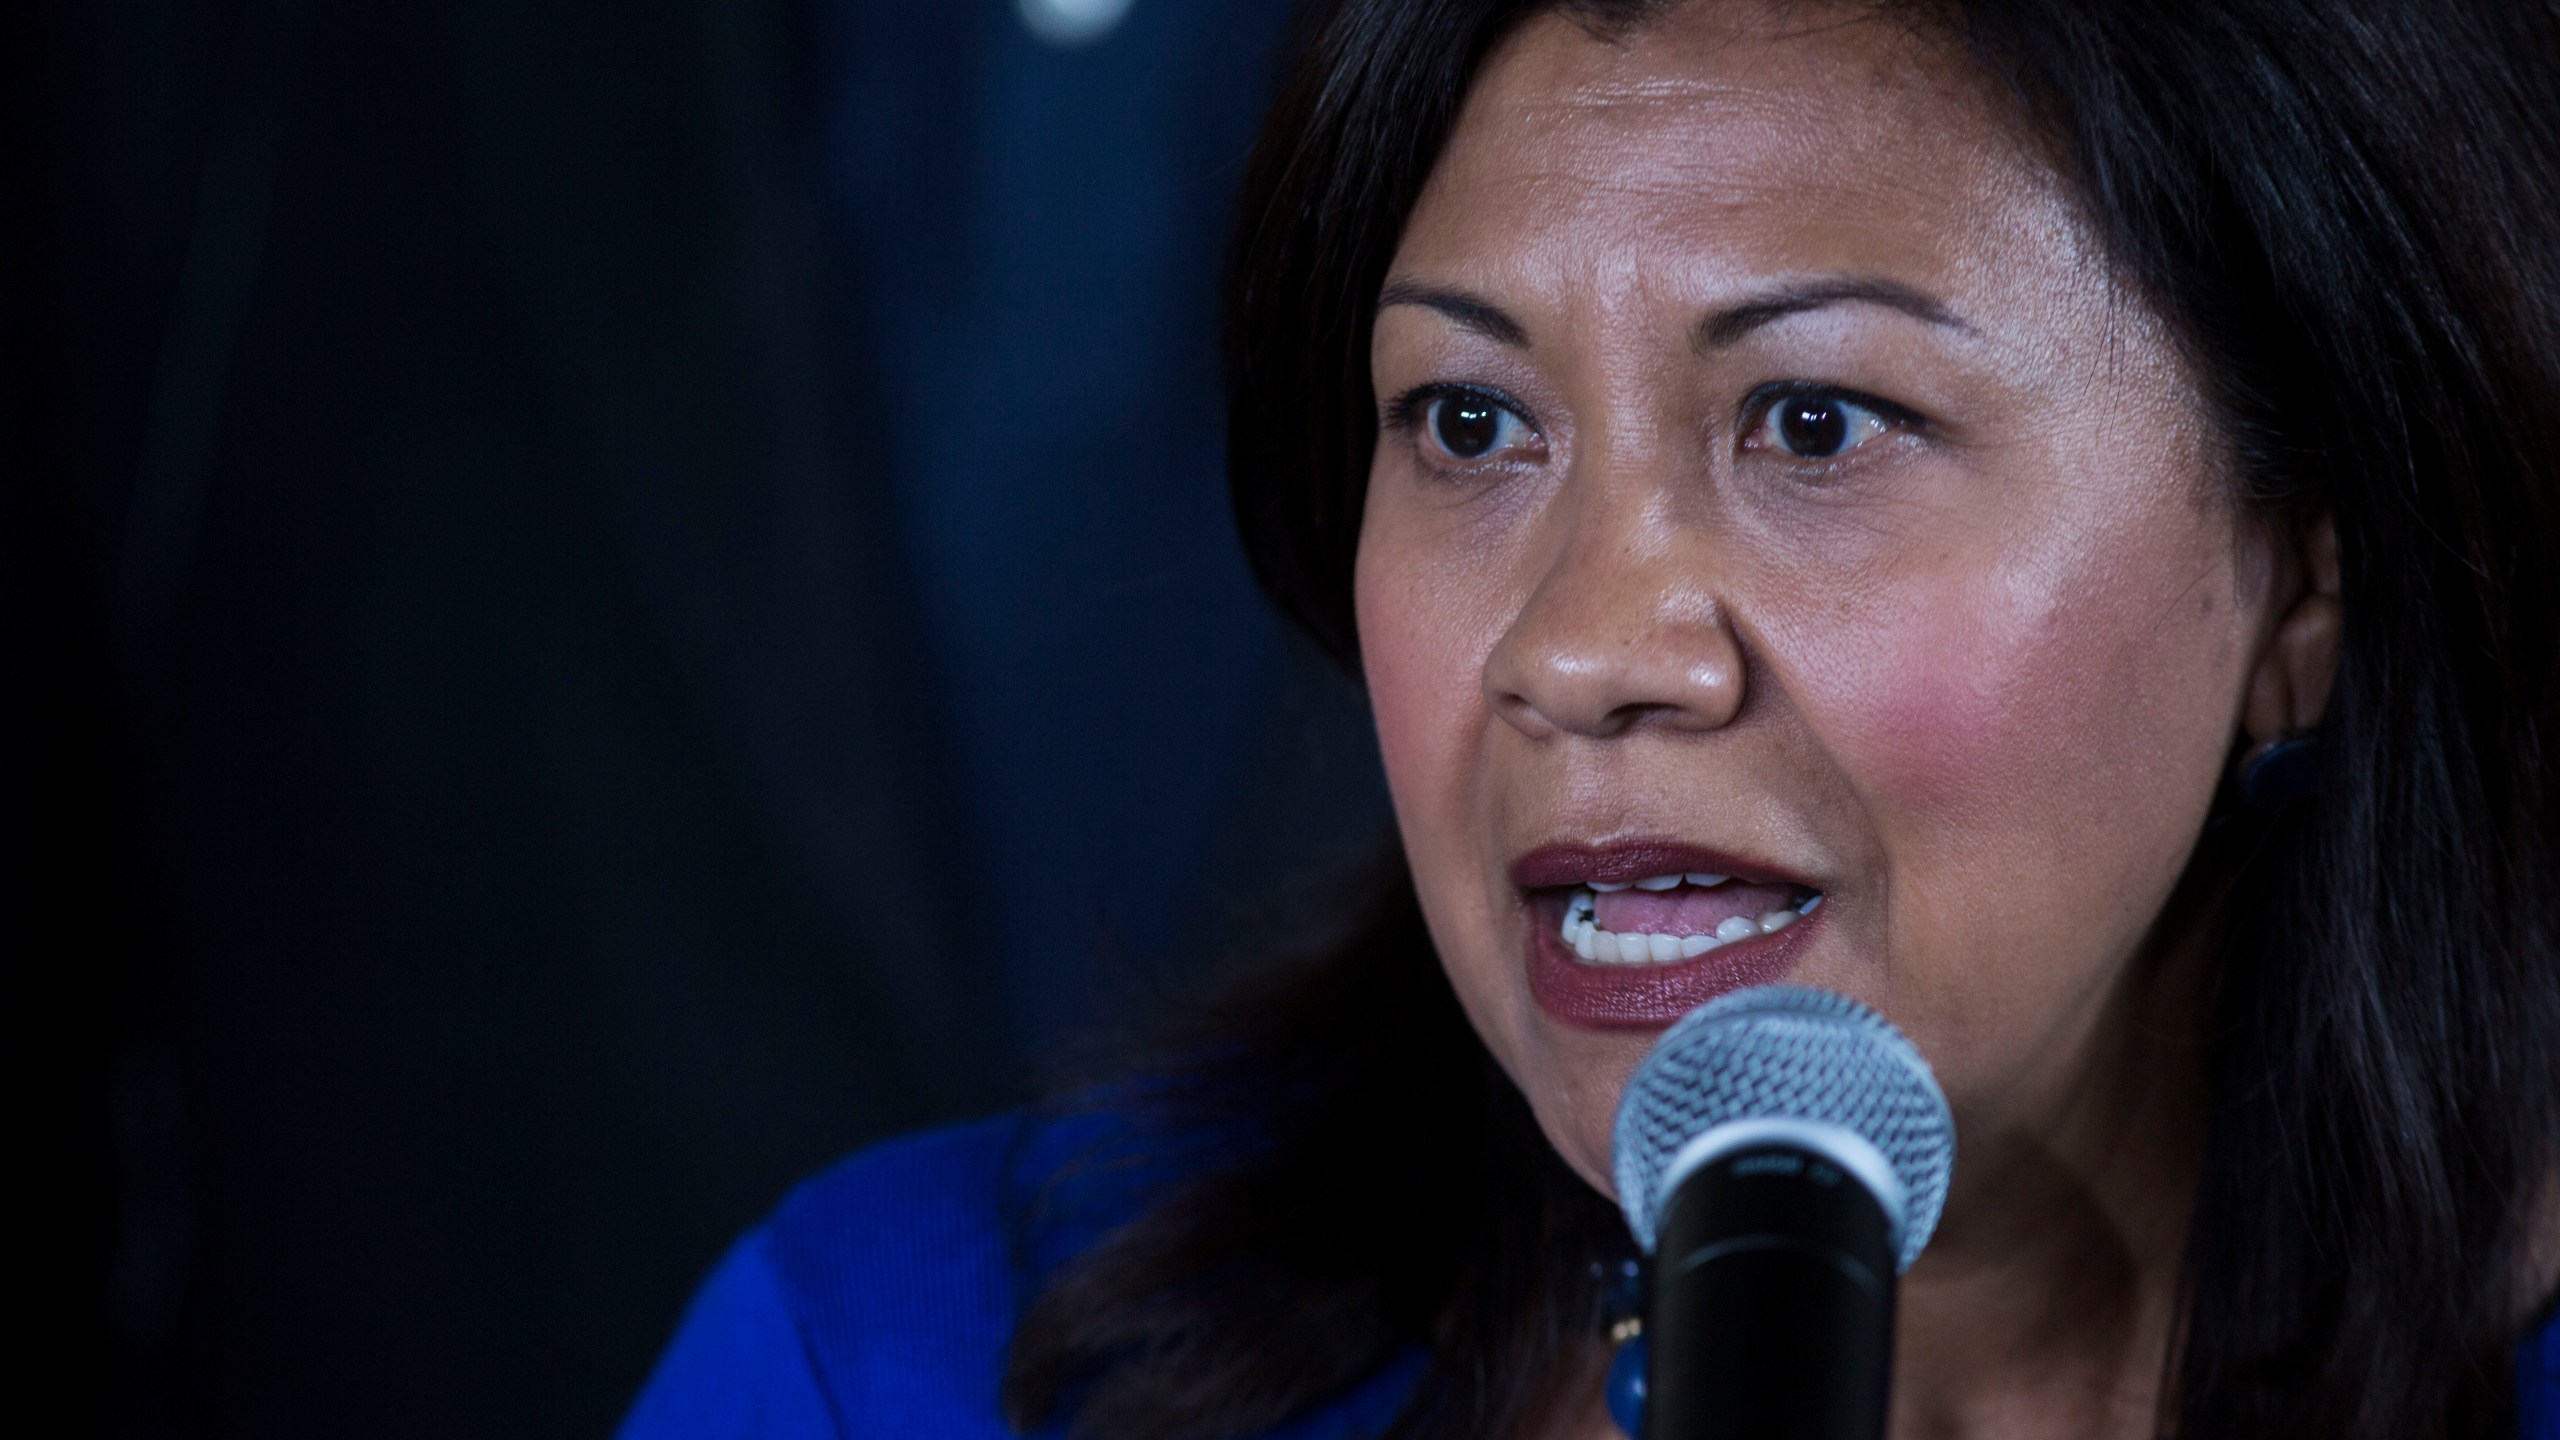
(2035,746)
(2083,675)
(1409,678)
(1422,652)
(1962,709)
(1424,668)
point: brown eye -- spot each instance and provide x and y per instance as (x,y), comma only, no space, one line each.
(1812,427)
(1817,425)
(1470,427)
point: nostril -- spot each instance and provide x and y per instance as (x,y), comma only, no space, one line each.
(1593,705)
(1629,717)
(1599,651)
(1521,715)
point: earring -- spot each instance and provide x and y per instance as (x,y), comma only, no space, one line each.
(2280,772)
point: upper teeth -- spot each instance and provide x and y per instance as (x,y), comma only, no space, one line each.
(1660,882)
(1606,947)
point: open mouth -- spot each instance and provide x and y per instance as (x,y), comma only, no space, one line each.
(1637,933)
(1665,919)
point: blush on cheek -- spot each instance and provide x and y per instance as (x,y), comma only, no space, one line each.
(1404,721)
(1420,693)
(1953,716)
(2041,711)
(2023,721)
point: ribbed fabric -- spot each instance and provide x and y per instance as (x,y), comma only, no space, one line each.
(739,1365)
(878,1300)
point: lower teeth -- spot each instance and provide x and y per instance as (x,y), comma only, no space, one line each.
(1582,934)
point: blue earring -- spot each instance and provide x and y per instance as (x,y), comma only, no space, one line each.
(2280,772)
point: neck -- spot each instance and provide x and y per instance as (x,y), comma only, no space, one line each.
(2049,1299)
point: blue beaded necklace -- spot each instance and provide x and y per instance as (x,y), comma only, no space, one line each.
(1622,1307)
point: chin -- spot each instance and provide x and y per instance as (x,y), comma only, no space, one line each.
(1572,1079)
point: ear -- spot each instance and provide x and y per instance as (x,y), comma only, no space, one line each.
(2289,687)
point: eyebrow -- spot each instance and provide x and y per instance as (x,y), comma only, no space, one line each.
(1721,327)
(1481,316)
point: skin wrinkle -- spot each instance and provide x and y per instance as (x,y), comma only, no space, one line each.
(1973,681)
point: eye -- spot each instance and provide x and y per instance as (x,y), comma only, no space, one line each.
(1470,425)
(1809,423)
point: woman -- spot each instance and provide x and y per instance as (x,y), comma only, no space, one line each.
(2040,517)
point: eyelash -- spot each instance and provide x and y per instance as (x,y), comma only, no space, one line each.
(1762,402)
(1405,414)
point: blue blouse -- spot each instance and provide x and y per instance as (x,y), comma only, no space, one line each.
(879,1298)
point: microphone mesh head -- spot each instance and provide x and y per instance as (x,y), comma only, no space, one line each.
(1785,1052)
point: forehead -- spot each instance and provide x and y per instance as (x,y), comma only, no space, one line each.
(1723,144)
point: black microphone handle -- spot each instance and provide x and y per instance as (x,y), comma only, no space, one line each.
(1771,1309)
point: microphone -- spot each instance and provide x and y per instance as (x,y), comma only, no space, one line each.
(1782,1154)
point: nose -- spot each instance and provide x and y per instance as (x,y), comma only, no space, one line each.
(1621,632)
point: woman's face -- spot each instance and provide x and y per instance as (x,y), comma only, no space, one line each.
(1772,485)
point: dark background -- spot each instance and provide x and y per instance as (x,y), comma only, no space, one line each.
(605,599)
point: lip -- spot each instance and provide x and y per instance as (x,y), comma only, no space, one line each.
(1644,997)
(1551,866)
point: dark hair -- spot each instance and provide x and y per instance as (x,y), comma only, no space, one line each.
(2350,211)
